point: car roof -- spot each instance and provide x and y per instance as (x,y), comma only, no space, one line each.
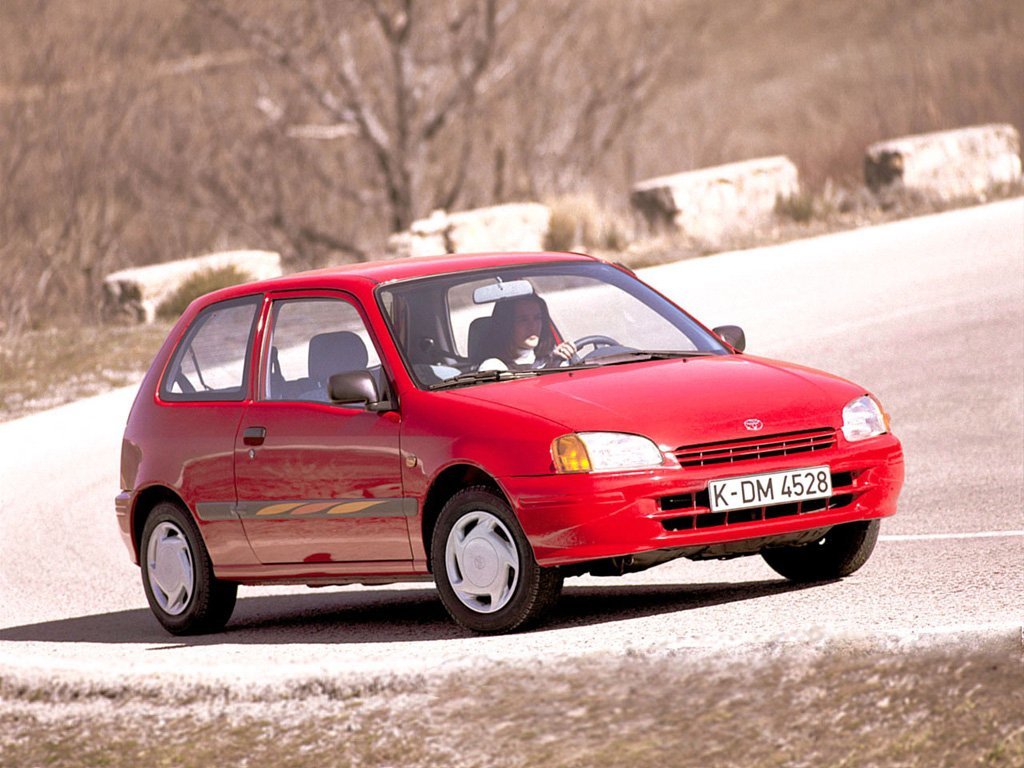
(378,272)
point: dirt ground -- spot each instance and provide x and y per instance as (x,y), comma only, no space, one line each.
(835,705)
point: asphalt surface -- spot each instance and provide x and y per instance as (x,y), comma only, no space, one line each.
(927,313)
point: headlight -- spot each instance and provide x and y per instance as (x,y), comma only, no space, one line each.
(603,452)
(863,417)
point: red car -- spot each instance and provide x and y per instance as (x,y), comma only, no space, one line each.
(494,423)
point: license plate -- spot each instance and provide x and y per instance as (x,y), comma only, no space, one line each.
(770,488)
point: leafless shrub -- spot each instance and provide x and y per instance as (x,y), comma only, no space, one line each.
(799,207)
(580,222)
(202,282)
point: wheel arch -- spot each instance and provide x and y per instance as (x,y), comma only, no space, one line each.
(146,500)
(449,482)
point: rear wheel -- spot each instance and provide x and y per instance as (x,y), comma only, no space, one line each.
(177,575)
(840,552)
(484,568)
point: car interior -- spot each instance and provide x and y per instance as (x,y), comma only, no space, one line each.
(329,353)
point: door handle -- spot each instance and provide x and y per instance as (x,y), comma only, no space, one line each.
(254,435)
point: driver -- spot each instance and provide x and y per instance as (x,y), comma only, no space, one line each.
(520,337)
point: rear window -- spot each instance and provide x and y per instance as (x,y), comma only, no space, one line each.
(212,361)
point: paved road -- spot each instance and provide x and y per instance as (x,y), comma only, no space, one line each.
(927,313)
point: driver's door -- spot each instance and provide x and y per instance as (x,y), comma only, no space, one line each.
(319,482)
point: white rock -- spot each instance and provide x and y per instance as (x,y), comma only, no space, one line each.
(139,291)
(965,162)
(510,227)
(709,203)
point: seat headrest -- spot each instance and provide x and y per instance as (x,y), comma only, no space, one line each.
(337,352)
(479,330)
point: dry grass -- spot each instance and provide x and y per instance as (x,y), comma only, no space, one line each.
(45,368)
(945,707)
(580,223)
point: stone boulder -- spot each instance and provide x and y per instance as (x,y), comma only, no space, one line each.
(136,293)
(711,203)
(966,162)
(510,227)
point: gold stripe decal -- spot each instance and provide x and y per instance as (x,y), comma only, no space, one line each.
(278,509)
(322,508)
(312,509)
(350,507)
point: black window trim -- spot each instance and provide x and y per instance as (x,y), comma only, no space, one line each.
(307,293)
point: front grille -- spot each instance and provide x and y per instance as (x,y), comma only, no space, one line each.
(755,448)
(755,515)
(697,514)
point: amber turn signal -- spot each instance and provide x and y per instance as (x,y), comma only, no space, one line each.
(570,454)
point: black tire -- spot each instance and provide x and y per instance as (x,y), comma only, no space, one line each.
(482,518)
(840,552)
(172,551)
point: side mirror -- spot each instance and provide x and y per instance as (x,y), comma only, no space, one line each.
(355,387)
(733,336)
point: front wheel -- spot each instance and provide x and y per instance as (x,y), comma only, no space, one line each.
(484,568)
(840,552)
(177,575)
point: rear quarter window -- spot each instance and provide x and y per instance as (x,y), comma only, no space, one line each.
(212,360)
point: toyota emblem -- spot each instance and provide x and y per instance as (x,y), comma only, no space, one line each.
(754,425)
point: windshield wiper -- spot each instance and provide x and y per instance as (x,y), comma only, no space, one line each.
(636,355)
(476,377)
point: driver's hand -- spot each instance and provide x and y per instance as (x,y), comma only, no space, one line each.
(565,350)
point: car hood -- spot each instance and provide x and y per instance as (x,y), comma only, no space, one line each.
(681,401)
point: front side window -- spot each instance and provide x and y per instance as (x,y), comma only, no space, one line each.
(211,363)
(311,340)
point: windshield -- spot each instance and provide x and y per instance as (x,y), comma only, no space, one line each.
(459,329)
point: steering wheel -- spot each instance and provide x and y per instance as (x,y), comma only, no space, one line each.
(596,340)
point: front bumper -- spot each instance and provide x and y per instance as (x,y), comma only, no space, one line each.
(579,518)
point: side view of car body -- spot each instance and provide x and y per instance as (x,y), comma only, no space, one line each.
(492,422)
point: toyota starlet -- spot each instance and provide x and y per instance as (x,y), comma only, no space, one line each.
(492,422)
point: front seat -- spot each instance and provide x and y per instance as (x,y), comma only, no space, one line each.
(477,341)
(331,353)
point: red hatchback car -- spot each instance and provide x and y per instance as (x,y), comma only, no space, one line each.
(492,422)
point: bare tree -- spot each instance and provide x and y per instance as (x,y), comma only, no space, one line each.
(399,74)
(66,195)
(574,99)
